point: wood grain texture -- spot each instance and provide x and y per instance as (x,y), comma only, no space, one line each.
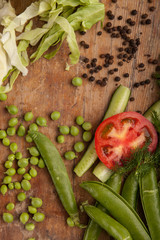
(47,87)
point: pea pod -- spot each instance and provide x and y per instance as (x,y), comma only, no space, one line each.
(118,208)
(151,201)
(114,228)
(58,173)
(93,229)
(130,189)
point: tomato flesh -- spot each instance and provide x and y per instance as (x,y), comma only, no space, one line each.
(117,136)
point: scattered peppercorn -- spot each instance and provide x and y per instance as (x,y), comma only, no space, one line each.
(99,67)
(91,71)
(151,9)
(108,24)
(98,82)
(144,16)
(91,78)
(111,17)
(132,99)
(114,1)
(120,49)
(86,60)
(88,66)
(115,69)
(82,32)
(120,18)
(99,33)
(117,79)
(147,81)
(84,75)
(136,85)
(155,61)
(141,65)
(126,75)
(134,12)
(148,21)
(111,72)
(142,83)
(150,1)
(120,63)
(86,46)
(106,65)
(142,22)
(82,43)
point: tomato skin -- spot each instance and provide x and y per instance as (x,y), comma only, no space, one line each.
(120,134)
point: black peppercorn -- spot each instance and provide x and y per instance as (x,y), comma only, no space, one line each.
(88,66)
(147,81)
(142,83)
(115,69)
(91,71)
(111,72)
(105,79)
(136,85)
(108,24)
(111,17)
(144,16)
(86,60)
(120,49)
(129,20)
(150,1)
(155,61)
(120,63)
(114,1)
(126,75)
(148,21)
(109,30)
(82,32)
(117,79)
(128,31)
(142,22)
(98,82)
(99,33)
(120,18)
(141,65)
(107,55)
(110,61)
(151,9)
(103,83)
(93,64)
(82,43)
(102,55)
(108,13)
(132,99)
(91,79)
(84,75)
(120,56)
(99,67)
(134,12)
(132,23)
(86,46)
(113,35)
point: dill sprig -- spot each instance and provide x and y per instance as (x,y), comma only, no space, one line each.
(156,121)
(140,161)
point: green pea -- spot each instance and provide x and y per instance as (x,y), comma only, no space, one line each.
(8,164)
(13,122)
(55,115)
(33,151)
(17,185)
(27,176)
(11,186)
(33,127)
(41,163)
(18,155)
(28,139)
(11,157)
(32,209)
(12,109)
(11,131)
(79,120)
(38,217)
(7,179)
(7,217)
(33,172)
(60,139)
(3,96)
(79,146)
(31,239)
(24,217)
(23,162)
(26,185)
(70,222)
(4,189)
(13,147)
(30,226)
(21,171)
(11,171)
(74,131)
(77,81)
(64,130)
(87,136)
(3,134)
(6,142)
(10,206)
(34,160)
(21,131)
(21,196)
(41,121)
(28,116)
(36,202)
(70,155)
(87,126)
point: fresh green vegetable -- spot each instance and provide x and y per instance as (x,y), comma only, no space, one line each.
(114,228)
(87,126)
(33,172)
(7,217)
(11,157)
(79,120)
(28,116)
(77,81)
(13,147)
(13,122)
(102,172)
(74,131)
(112,201)
(12,109)
(21,196)
(4,189)
(117,105)
(87,136)
(58,173)
(55,115)
(28,139)
(10,206)
(70,155)
(3,134)
(11,186)
(34,160)
(17,185)
(70,222)
(7,179)
(38,217)
(8,164)
(41,121)
(3,97)
(27,176)
(130,189)
(18,155)
(30,226)
(154,108)
(32,209)
(33,127)
(6,142)
(36,202)
(24,217)
(21,131)
(26,185)
(33,151)
(79,146)
(60,139)
(11,171)
(23,162)
(21,171)
(64,130)
(41,163)
(11,131)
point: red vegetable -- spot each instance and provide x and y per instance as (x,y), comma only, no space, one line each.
(117,136)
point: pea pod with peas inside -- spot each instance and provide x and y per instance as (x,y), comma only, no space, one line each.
(58,173)
(119,208)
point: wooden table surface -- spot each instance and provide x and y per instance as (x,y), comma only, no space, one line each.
(47,87)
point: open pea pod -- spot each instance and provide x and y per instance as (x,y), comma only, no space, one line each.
(118,208)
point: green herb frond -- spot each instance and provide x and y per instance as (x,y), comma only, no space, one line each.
(156,121)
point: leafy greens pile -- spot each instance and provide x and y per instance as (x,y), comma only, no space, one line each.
(60,19)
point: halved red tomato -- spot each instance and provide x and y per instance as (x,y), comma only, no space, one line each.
(117,136)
